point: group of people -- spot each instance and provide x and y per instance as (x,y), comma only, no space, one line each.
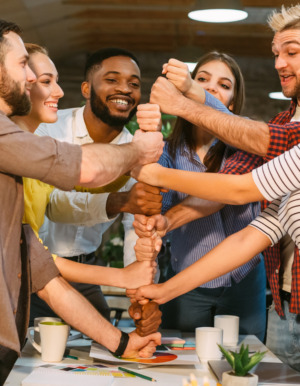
(76,171)
(268,168)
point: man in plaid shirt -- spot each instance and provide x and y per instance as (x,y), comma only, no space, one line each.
(259,142)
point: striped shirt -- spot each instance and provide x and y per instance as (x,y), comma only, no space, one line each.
(193,240)
(284,135)
(279,180)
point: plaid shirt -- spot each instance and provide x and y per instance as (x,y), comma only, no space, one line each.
(283,136)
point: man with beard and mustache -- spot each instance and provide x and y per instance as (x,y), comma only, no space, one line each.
(265,141)
(112,93)
(26,266)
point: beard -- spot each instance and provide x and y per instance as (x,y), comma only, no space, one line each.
(10,92)
(294,94)
(101,111)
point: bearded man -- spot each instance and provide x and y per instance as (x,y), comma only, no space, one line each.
(112,90)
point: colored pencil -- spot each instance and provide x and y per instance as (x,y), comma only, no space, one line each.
(137,374)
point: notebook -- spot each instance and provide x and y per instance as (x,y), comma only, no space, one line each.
(268,373)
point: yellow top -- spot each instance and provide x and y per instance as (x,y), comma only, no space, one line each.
(112,187)
(36,199)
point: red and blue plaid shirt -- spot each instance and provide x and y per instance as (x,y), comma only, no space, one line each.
(283,136)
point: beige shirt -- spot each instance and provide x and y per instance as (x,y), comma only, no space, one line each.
(25,264)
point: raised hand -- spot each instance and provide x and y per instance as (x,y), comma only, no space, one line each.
(147,248)
(149,146)
(167,96)
(149,117)
(147,317)
(141,346)
(178,73)
(150,226)
(139,273)
(143,199)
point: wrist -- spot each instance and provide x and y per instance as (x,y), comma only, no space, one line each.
(115,203)
(124,339)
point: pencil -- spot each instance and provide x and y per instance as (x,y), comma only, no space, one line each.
(137,374)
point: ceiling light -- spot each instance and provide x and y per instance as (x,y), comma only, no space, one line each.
(215,11)
(278,95)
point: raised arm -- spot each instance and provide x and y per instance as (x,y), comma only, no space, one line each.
(245,134)
(103,163)
(227,189)
(233,252)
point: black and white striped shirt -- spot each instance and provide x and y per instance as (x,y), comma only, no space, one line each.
(279,182)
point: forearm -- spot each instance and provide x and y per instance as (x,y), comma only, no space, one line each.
(103,163)
(90,274)
(233,252)
(77,208)
(190,209)
(64,299)
(196,92)
(227,189)
(245,134)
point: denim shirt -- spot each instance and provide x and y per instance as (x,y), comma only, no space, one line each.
(193,240)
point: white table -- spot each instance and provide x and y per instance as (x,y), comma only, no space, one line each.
(165,375)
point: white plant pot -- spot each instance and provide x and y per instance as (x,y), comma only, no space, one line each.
(228,379)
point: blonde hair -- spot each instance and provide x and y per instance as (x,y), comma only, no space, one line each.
(287,18)
(33,48)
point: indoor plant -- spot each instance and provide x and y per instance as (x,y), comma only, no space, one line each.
(241,363)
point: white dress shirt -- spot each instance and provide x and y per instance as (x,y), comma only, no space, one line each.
(87,211)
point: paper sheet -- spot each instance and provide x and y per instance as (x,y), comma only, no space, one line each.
(42,376)
(159,357)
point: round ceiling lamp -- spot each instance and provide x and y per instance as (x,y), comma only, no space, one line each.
(278,95)
(218,11)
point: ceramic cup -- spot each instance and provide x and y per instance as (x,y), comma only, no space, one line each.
(54,336)
(207,340)
(36,322)
(230,327)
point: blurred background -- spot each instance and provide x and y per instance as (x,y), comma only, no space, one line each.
(154,30)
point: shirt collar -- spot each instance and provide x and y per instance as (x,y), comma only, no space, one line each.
(81,130)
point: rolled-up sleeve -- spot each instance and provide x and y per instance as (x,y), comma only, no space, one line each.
(42,266)
(53,162)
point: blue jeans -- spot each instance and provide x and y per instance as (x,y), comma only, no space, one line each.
(197,308)
(283,335)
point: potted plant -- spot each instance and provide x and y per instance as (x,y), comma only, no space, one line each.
(241,363)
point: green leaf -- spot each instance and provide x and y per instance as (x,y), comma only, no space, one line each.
(240,361)
(228,355)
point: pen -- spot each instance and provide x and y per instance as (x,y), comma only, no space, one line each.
(137,374)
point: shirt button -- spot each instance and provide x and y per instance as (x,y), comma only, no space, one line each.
(15,311)
(19,275)
(21,241)
(276,271)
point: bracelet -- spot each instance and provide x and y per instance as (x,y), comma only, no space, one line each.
(122,345)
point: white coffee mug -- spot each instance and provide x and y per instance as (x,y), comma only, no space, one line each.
(54,336)
(230,327)
(36,322)
(207,340)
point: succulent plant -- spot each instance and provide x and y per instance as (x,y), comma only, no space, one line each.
(241,362)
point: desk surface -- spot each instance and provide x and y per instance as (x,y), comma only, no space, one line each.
(165,375)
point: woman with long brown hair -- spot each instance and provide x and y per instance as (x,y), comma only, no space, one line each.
(241,292)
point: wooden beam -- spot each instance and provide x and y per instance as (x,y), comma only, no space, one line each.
(185,3)
(130,14)
(268,3)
